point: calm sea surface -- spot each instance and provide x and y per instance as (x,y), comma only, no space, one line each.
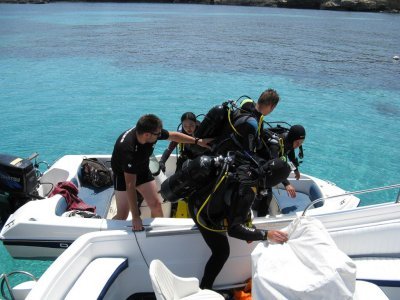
(73,76)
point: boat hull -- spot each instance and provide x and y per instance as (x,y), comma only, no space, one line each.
(38,230)
(363,234)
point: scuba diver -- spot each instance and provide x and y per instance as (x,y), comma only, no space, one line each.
(281,142)
(237,128)
(220,192)
(189,125)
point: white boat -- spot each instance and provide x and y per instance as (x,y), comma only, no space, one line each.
(115,264)
(38,229)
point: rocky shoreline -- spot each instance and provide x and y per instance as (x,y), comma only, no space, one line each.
(392,6)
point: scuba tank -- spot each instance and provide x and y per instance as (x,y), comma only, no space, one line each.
(216,120)
(213,123)
(193,175)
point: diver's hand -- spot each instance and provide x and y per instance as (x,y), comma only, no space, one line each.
(162,165)
(290,190)
(137,224)
(297,174)
(205,142)
(277,236)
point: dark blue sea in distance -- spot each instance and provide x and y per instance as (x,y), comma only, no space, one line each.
(73,76)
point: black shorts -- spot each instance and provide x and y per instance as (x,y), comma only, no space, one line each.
(141,178)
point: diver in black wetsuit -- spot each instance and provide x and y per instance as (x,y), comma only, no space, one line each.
(189,125)
(220,197)
(237,128)
(281,145)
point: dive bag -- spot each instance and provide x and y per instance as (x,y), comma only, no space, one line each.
(95,173)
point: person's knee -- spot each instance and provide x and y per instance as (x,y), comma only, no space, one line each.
(154,203)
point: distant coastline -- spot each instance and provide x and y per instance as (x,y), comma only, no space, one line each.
(389,6)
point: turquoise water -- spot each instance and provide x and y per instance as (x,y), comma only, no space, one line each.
(73,76)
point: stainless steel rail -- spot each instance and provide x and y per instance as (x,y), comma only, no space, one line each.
(382,188)
(4,280)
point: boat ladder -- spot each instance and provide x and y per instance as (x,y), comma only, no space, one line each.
(5,282)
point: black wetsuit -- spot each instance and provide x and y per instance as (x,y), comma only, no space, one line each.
(244,136)
(231,202)
(272,150)
(131,157)
(186,151)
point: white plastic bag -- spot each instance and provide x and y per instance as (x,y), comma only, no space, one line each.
(308,266)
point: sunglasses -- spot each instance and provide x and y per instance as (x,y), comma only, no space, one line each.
(158,134)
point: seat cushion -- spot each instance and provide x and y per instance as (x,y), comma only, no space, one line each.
(289,205)
(366,290)
(204,294)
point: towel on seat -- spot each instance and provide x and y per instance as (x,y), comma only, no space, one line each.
(70,193)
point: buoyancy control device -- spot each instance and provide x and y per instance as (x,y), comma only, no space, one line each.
(193,175)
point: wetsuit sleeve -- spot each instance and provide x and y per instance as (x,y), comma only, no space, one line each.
(168,151)
(164,135)
(292,157)
(239,214)
(243,232)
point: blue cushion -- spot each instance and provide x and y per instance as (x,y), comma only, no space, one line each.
(315,194)
(99,197)
(290,205)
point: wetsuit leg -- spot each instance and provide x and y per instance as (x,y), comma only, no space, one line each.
(263,205)
(219,245)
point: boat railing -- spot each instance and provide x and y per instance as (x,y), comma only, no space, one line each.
(382,188)
(5,280)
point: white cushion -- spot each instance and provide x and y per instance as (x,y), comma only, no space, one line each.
(204,294)
(366,290)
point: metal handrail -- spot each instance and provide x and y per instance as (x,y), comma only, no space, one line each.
(388,187)
(4,279)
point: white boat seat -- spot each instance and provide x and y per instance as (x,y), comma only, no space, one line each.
(97,278)
(367,290)
(384,271)
(168,286)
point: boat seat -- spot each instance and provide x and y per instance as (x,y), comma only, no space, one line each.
(99,197)
(97,278)
(61,207)
(384,271)
(367,290)
(287,205)
(168,286)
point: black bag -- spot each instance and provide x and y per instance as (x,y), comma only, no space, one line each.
(95,173)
